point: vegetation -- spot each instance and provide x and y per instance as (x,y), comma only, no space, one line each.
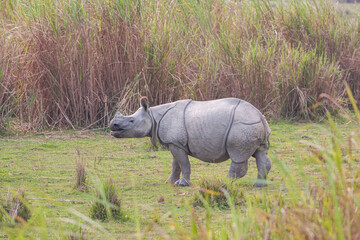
(215,193)
(15,208)
(80,172)
(77,235)
(107,204)
(72,63)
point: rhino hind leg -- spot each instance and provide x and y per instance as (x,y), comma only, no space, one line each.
(263,165)
(239,162)
(175,172)
(182,159)
(238,170)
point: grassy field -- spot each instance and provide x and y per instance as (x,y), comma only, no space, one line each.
(44,166)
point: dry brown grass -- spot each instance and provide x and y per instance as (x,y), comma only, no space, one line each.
(81,174)
(72,63)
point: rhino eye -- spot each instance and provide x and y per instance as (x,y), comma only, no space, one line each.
(131,120)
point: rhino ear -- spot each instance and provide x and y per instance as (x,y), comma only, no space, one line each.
(144,103)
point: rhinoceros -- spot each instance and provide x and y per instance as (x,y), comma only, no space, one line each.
(212,131)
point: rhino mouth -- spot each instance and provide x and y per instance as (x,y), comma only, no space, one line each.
(117,133)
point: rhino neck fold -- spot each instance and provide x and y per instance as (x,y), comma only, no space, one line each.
(156,114)
(152,133)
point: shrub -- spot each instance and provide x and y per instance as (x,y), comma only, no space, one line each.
(107,204)
(77,235)
(213,192)
(15,208)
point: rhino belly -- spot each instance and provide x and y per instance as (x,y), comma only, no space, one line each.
(207,125)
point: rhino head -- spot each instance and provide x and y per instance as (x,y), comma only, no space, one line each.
(134,126)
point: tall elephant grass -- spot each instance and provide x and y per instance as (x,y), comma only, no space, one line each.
(72,63)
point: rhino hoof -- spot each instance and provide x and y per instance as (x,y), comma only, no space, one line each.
(260,184)
(182,182)
(171,181)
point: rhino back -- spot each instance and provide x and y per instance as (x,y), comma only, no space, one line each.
(207,124)
(250,119)
(247,114)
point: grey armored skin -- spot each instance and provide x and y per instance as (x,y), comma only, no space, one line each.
(212,131)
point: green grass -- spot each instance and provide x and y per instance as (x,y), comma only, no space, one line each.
(45,166)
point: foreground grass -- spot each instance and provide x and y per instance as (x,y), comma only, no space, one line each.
(45,164)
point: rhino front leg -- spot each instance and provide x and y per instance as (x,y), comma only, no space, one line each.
(238,170)
(175,172)
(183,160)
(263,165)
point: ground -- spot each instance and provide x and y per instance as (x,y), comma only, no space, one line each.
(44,165)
